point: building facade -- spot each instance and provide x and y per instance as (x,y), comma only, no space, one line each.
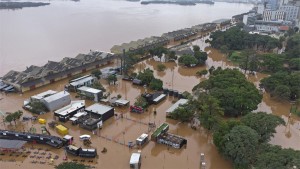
(291,12)
(270,15)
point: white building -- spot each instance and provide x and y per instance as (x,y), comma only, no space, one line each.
(260,8)
(42,95)
(82,81)
(273,15)
(68,111)
(89,92)
(57,101)
(291,12)
(177,104)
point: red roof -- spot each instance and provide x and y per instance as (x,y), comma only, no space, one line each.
(284,28)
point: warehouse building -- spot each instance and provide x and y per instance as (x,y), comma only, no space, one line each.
(103,111)
(176,105)
(65,113)
(90,93)
(57,101)
(87,80)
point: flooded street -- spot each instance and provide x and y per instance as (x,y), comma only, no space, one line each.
(119,131)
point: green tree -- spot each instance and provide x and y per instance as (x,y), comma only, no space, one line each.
(196,48)
(271,157)
(282,92)
(172,55)
(97,73)
(156,84)
(38,107)
(112,79)
(146,76)
(240,145)
(294,63)
(264,124)
(201,72)
(187,60)
(141,102)
(271,62)
(224,49)
(201,57)
(291,80)
(98,85)
(211,69)
(9,118)
(210,111)
(224,128)
(161,67)
(17,115)
(236,95)
(182,113)
(71,165)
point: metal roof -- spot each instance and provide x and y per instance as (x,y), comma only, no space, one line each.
(43,94)
(82,81)
(98,108)
(71,107)
(174,106)
(89,90)
(56,96)
(11,144)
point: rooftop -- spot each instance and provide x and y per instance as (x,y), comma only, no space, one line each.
(15,77)
(71,62)
(135,158)
(74,105)
(174,106)
(81,80)
(11,144)
(56,96)
(43,94)
(89,90)
(98,108)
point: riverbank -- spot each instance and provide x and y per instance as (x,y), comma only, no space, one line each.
(20,5)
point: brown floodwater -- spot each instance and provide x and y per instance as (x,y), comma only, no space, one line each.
(117,131)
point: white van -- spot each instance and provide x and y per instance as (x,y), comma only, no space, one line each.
(135,161)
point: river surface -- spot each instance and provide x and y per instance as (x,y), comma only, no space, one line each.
(66,28)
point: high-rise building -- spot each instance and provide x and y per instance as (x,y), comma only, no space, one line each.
(273,15)
(291,12)
(272,4)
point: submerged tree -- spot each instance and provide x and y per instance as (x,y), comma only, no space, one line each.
(264,124)
(71,165)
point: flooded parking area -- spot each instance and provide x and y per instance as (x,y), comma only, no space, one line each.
(126,127)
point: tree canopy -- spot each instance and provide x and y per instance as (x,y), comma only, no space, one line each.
(283,85)
(187,60)
(240,145)
(71,165)
(183,113)
(236,95)
(238,39)
(209,111)
(271,157)
(264,124)
(156,84)
(14,116)
(146,76)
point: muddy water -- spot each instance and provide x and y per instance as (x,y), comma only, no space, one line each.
(117,131)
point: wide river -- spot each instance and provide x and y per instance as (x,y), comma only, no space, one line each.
(66,28)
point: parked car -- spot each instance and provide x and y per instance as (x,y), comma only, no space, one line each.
(85,137)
